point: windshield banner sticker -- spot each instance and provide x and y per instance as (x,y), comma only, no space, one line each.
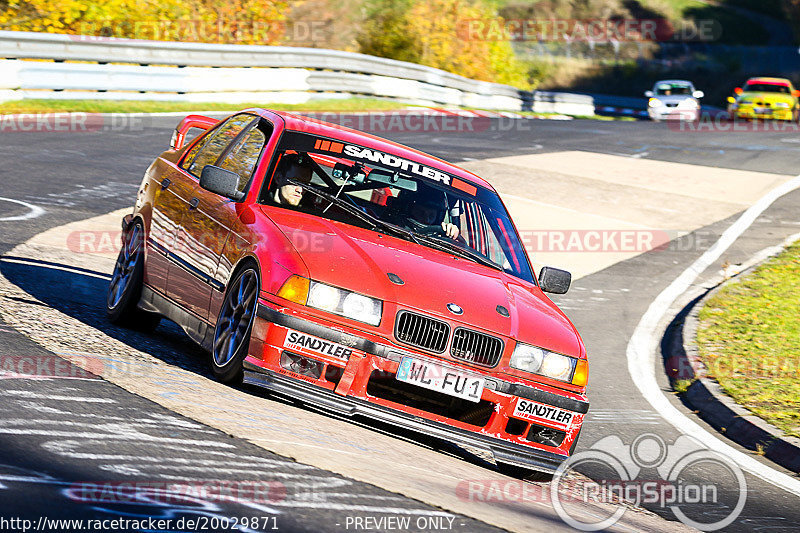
(368,155)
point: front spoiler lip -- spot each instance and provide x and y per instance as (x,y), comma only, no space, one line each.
(503,452)
(384,351)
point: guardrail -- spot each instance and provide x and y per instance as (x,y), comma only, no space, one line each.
(107,68)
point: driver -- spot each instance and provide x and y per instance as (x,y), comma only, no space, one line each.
(428,207)
(290,167)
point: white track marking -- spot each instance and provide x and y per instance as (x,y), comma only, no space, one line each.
(624,416)
(82,399)
(644,342)
(33,210)
(105,436)
(31,377)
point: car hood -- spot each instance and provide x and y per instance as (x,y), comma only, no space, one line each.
(360,260)
(767,97)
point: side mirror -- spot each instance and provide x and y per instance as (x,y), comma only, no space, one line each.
(554,280)
(796,93)
(738,90)
(648,94)
(698,94)
(731,100)
(222,182)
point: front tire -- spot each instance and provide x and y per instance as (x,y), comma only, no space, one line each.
(234,324)
(125,288)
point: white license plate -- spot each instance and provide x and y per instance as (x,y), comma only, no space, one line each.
(762,111)
(440,378)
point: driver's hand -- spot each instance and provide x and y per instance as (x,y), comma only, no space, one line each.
(451,230)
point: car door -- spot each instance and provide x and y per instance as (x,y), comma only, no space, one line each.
(173,189)
(188,279)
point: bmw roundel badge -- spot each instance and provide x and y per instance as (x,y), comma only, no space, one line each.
(455,309)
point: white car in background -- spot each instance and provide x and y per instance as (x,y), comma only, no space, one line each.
(674,100)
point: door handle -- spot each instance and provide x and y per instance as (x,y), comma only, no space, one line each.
(193,203)
(165,183)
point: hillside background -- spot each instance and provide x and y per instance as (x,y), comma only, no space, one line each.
(750,37)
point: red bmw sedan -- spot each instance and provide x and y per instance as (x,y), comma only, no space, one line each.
(358,275)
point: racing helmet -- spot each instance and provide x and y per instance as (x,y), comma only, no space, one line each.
(295,166)
(428,205)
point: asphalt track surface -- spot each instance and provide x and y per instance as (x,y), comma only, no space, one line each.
(57,438)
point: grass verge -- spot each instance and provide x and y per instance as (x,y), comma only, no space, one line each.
(749,339)
(140,106)
(346,105)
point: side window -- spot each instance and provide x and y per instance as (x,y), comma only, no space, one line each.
(243,157)
(208,150)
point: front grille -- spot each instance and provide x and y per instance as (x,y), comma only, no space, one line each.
(421,331)
(475,347)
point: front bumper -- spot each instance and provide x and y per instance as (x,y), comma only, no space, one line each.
(769,114)
(672,113)
(352,394)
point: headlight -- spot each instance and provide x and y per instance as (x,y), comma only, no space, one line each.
(553,365)
(782,105)
(362,308)
(324,297)
(346,303)
(527,358)
(332,299)
(654,102)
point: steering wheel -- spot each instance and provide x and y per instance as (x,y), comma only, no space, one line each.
(425,229)
(433,230)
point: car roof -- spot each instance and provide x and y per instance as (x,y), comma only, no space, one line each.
(683,82)
(771,81)
(314,126)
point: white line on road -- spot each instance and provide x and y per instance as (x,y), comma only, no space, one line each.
(83,399)
(108,437)
(33,210)
(644,342)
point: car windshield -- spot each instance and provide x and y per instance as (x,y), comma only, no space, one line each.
(386,193)
(670,89)
(766,88)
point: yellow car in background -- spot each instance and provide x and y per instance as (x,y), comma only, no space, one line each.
(765,98)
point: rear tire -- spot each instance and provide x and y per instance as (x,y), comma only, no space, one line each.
(125,287)
(234,324)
